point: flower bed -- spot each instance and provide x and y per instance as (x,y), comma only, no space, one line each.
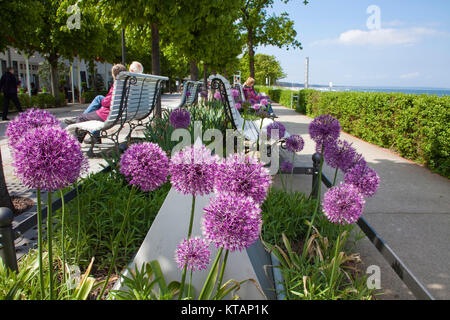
(92,239)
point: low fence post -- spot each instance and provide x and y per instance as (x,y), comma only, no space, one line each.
(315,175)
(7,248)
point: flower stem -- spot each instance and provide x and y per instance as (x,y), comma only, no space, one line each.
(317,204)
(39,225)
(292,172)
(208,279)
(115,245)
(78,222)
(63,236)
(190,285)
(191,222)
(49,241)
(222,270)
(335,176)
(335,259)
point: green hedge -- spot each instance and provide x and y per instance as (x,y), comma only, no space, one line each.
(90,95)
(40,101)
(415,126)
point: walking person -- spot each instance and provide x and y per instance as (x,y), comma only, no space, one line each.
(9,83)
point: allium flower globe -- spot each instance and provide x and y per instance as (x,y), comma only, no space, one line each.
(343,204)
(204,94)
(235,93)
(180,118)
(339,154)
(273,126)
(188,93)
(193,170)
(323,129)
(256,107)
(240,174)
(192,253)
(28,120)
(295,143)
(264,102)
(232,222)
(145,165)
(252,101)
(238,105)
(48,158)
(363,178)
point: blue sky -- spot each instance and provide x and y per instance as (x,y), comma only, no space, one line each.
(411,47)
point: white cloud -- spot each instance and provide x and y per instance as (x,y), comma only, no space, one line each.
(380,37)
(411,75)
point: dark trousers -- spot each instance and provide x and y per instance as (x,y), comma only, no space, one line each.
(88,117)
(13,98)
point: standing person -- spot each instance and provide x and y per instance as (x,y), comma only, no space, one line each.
(9,85)
(102,113)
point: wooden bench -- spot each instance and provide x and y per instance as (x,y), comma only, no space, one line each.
(250,129)
(190,93)
(134,98)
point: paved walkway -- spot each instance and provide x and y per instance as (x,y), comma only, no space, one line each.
(411,212)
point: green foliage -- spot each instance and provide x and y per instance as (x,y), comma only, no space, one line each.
(265,66)
(286,219)
(40,101)
(90,95)
(104,201)
(415,126)
(146,283)
(286,213)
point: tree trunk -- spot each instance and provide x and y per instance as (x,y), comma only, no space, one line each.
(53,61)
(251,52)
(156,63)
(194,70)
(205,77)
(92,73)
(5,199)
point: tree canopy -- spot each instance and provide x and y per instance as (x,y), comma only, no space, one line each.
(265,65)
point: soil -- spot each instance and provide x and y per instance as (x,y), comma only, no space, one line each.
(21,204)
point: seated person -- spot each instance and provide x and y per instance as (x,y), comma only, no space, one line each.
(102,113)
(249,91)
(135,67)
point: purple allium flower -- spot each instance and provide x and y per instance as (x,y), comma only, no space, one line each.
(193,170)
(235,93)
(363,178)
(256,107)
(262,114)
(295,143)
(339,154)
(145,165)
(264,102)
(180,118)
(276,125)
(204,94)
(48,158)
(238,105)
(343,204)
(286,167)
(252,101)
(358,159)
(232,222)
(192,253)
(188,93)
(217,95)
(30,119)
(245,175)
(324,128)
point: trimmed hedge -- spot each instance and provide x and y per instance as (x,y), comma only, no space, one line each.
(415,126)
(90,95)
(40,101)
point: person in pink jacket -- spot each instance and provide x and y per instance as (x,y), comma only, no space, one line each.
(102,113)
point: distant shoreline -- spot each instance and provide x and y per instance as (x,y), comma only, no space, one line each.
(411,90)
